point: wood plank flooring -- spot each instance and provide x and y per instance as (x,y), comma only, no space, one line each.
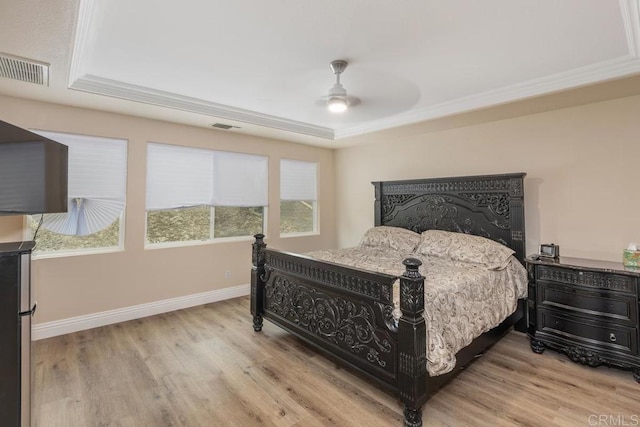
(205,366)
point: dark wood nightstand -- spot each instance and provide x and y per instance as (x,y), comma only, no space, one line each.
(586,309)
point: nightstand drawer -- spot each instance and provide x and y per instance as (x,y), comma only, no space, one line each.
(603,305)
(589,279)
(586,332)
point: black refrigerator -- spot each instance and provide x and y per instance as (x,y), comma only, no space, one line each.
(16,309)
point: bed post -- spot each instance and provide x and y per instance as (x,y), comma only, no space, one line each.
(412,344)
(377,205)
(257,285)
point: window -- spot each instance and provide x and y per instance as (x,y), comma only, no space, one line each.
(298,197)
(195,194)
(97,183)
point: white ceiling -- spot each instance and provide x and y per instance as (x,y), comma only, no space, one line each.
(263,65)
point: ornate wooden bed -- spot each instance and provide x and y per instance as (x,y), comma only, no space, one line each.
(347,312)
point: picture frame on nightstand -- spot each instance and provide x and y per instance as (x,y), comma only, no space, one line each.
(549,250)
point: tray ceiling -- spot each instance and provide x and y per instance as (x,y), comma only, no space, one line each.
(265,64)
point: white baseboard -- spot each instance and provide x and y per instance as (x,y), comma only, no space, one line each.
(81,323)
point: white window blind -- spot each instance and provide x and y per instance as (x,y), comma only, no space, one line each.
(184,176)
(97,182)
(298,180)
(240,179)
(178,176)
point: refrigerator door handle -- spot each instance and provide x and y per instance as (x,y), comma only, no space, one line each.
(29,312)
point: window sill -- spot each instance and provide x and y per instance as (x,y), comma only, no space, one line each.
(167,245)
(71,253)
(304,234)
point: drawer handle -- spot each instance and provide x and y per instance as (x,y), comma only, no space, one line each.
(612,337)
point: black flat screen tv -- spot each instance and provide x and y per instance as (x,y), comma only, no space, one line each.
(33,172)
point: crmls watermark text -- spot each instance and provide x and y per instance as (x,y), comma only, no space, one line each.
(614,420)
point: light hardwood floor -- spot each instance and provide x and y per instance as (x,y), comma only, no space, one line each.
(205,366)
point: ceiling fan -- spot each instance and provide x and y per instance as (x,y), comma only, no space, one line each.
(338,101)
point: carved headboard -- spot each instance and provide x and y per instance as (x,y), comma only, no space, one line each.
(491,206)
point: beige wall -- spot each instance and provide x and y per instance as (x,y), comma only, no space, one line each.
(11,228)
(581,188)
(78,285)
(581,165)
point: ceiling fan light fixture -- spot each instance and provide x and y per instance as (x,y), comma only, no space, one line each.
(337,104)
(337,100)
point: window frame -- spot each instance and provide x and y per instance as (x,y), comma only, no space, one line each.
(211,239)
(120,247)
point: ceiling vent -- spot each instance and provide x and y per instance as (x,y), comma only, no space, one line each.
(25,70)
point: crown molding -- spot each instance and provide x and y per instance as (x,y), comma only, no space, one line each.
(81,38)
(595,73)
(131,92)
(630,10)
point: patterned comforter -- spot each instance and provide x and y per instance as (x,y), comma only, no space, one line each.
(462,299)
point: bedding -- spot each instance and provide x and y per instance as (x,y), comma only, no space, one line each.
(465,247)
(384,237)
(466,294)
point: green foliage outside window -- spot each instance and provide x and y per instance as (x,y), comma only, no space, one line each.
(49,241)
(194,223)
(297,216)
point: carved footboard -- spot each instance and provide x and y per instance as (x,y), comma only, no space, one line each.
(347,313)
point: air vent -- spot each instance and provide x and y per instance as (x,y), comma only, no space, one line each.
(224,126)
(25,70)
